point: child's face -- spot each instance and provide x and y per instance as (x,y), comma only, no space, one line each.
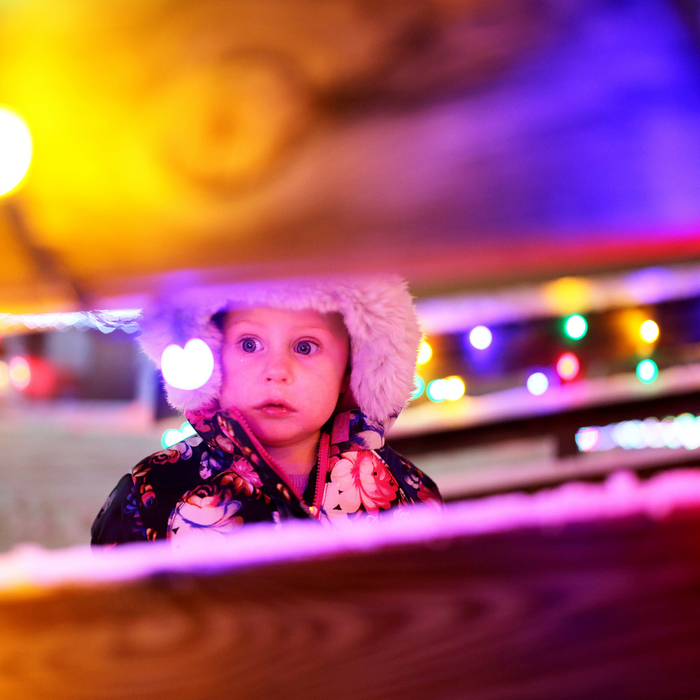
(284,371)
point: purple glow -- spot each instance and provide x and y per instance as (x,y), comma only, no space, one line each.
(30,567)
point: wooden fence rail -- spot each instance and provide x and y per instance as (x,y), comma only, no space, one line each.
(591,608)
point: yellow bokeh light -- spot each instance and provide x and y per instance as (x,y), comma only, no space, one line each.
(568,295)
(4,376)
(15,150)
(649,331)
(425,352)
(20,373)
(454,388)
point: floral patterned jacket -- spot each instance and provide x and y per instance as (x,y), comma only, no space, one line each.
(216,481)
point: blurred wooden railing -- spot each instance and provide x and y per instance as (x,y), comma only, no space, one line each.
(587,592)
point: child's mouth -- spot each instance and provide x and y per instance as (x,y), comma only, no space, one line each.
(275,409)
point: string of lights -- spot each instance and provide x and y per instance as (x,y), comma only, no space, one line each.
(105,321)
(538,353)
(672,432)
(542,353)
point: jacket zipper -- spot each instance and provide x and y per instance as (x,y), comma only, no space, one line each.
(314,511)
(323,448)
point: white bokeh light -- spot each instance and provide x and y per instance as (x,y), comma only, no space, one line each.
(588,439)
(576,327)
(480,337)
(189,367)
(454,388)
(15,150)
(437,390)
(649,331)
(537,383)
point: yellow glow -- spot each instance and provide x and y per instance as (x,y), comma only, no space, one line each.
(454,388)
(649,331)
(15,150)
(20,374)
(425,352)
(630,322)
(568,295)
(4,376)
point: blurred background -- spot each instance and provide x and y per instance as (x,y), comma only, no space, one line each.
(532,167)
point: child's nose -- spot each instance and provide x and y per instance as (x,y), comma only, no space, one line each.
(278,369)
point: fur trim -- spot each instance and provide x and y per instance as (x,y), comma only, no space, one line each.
(378,313)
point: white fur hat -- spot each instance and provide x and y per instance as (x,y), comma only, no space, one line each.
(378,313)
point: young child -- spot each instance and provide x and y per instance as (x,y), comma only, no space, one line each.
(307,376)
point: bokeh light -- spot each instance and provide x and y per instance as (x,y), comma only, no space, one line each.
(480,337)
(449,388)
(568,294)
(588,439)
(647,371)
(20,373)
(454,388)
(673,432)
(419,385)
(172,436)
(15,150)
(629,435)
(568,366)
(576,327)
(537,383)
(425,352)
(668,433)
(189,367)
(436,390)
(649,331)
(687,428)
(187,430)
(4,376)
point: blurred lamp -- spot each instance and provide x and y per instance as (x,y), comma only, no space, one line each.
(15,150)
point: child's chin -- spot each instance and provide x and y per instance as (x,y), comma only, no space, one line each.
(282,438)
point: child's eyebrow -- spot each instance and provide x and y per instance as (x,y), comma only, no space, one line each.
(245,320)
(299,329)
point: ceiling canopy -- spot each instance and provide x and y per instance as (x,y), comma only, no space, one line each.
(459,142)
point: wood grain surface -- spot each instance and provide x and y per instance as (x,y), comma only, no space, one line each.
(609,609)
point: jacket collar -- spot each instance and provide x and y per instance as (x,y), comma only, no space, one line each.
(226,431)
(227,434)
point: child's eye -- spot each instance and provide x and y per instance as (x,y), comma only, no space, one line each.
(305,347)
(250,345)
